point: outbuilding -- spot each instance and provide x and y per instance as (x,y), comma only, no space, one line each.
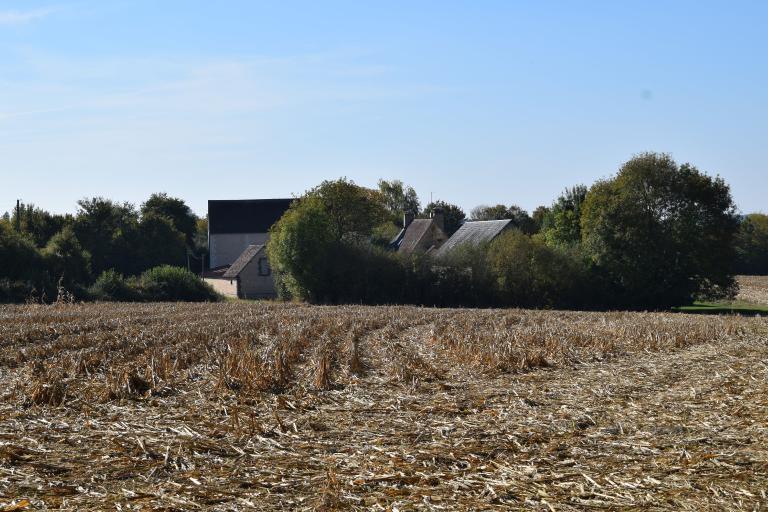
(249,277)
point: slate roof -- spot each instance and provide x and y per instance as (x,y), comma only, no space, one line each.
(417,230)
(245,215)
(242,261)
(475,233)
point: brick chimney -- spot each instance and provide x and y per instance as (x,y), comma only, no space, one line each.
(439,217)
(408,218)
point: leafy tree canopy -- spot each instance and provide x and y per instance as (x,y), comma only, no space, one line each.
(67,260)
(752,245)
(398,199)
(352,211)
(662,234)
(454,215)
(39,224)
(561,224)
(108,231)
(519,217)
(175,210)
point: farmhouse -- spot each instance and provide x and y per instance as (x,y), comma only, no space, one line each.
(238,231)
(233,225)
(420,235)
(473,233)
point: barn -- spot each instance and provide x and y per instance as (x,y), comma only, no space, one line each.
(238,231)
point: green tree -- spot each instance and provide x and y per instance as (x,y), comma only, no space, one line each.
(561,225)
(175,210)
(160,243)
(313,248)
(519,217)
(22,270)
(39,224)
(752,245)
(352,211)
(661,234)
(538,216)
(530,273)
(108,231)
(454,216)
(299,248)
(398,199)
(66,259)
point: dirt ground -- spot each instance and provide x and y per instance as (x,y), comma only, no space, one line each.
(660,428)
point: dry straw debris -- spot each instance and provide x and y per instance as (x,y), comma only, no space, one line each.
(291,407)
(753,289)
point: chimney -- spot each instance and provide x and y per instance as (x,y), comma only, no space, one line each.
(439,217)
(408,218)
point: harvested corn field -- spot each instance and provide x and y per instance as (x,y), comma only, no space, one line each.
(753,289)
(289,407)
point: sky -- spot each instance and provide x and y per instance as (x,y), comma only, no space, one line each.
(475,102)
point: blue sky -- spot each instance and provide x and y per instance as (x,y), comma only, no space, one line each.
(473,102)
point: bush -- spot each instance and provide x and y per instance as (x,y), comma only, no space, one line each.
(167,283)
(529,273)
(12,291)
(112,286)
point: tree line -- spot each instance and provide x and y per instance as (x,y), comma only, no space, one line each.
(653,235)
(656,234)
(105,247)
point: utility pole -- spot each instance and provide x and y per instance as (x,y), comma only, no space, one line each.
(18,215)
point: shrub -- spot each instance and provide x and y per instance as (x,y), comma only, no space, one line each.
(13,291)
(112,286)
(530,273)
(167,283)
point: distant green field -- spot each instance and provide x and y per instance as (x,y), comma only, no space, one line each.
(725,308)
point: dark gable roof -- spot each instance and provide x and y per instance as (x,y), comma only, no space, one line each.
(246,215)
(475,233)
(416,231)
(242,261)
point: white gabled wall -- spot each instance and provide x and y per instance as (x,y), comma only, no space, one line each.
(225,248)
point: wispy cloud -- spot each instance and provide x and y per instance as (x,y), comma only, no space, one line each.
(21,17)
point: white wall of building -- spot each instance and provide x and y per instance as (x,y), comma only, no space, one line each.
(226,247)
(226,287)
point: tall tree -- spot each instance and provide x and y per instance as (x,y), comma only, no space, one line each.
(311,245)
(69,263)
(752,245)
(175,210)
(160,243)
(353,211)
(662,234)
(519,217)
(454,215)
(399,199)
(39,224)
(108,231)
(561,225)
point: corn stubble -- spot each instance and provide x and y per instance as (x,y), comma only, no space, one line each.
(286,406)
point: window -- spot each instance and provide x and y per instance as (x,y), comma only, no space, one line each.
(264,269)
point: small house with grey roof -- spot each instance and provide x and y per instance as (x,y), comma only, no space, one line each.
(238,231)
(473,233)
(420,235)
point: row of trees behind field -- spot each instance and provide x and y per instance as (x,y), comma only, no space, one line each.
(103,245)
(655,234)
